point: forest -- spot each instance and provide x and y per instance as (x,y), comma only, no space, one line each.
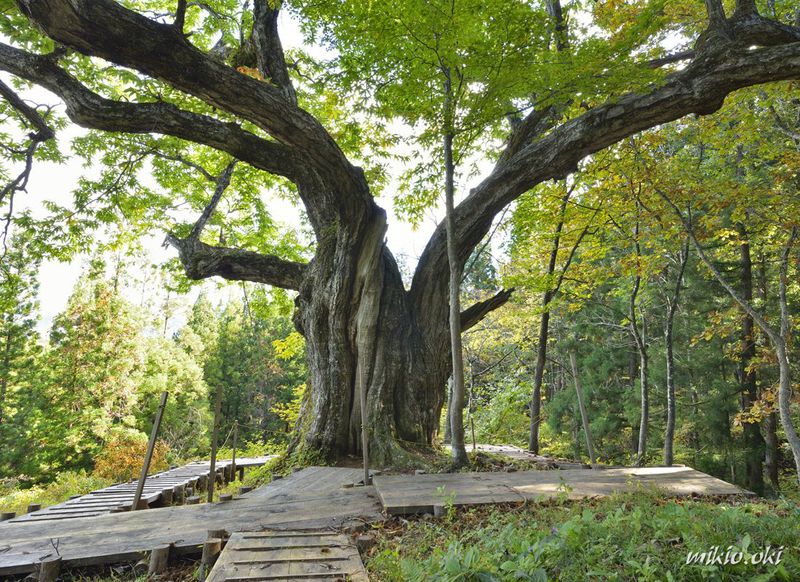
(396,231)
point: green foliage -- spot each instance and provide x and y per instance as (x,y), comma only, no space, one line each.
(626,537)
(65,485)
(122,456)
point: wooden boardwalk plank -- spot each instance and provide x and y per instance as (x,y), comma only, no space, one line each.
(289,555)
(405,494)
(106,538)
(105,500)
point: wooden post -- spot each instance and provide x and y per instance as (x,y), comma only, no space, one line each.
(6,515)
(34,507)
(217,533)
(49,569)
(179,494)
(149,455)
(211,549)
(233,458)
(159,559)
(584,417)
(166,497)
(212,471)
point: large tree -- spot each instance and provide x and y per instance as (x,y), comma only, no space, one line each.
(363,328)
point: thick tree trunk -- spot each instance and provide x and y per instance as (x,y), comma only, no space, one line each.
(360,330)
(753,441)
(771,458)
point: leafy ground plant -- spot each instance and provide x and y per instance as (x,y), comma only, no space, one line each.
(638,536)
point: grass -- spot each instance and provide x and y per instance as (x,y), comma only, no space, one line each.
(638,536)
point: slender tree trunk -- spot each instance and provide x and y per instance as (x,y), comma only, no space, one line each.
(672,307)
(544,328)
(457,411)
(770,424)
(753,441)
(641,347)
(584,416)
(6,370)
(447,432)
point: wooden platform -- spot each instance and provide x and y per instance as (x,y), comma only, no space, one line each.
(169,484)
(309,499)
(407,494)
(289,555)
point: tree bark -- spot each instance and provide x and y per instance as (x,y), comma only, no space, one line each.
(672,307)
(641,348)
(753,441)
(770,423)
(457,444)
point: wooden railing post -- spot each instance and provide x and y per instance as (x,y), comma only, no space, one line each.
(149,455)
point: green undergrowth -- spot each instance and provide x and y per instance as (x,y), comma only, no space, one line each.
(68,483)
(636,536)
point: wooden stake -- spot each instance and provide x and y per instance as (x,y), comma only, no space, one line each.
(211,549)
(179,494)
(49,569)
(159,559)
(584,417)
(149,455)
(217,533)
(166,497)
(212,471)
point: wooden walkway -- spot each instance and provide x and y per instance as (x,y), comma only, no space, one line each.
(290,555)
(313,498)
(316,498)
(402,494)
(165,488)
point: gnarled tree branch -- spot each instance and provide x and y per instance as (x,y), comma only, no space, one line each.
(89,109)
(201,261)
(700,88)
(474,313)
(269,51)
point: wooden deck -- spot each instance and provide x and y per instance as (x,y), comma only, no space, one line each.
(316,498)
(309,499)
(290,555)
(160,488)
(403,494)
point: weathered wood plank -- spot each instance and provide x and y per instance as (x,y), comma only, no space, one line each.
(289,556)
(404,494)
(108,499)
(110,538)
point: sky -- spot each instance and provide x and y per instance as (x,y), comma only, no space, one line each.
(55,182)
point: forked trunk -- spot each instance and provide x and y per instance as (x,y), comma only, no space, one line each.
(361,330)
